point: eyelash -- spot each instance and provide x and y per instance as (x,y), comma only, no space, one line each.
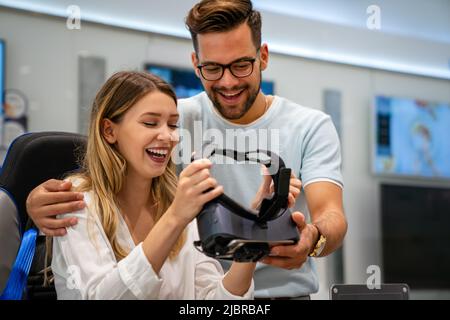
(152,124)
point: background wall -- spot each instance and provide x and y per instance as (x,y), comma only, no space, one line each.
(42,62)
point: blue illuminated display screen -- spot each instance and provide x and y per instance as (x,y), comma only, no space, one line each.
(412,138)
(186,83)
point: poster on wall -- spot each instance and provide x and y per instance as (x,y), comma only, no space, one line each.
(411,138)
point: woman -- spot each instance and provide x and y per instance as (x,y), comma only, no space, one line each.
(134,239)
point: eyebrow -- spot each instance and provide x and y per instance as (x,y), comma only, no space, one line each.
(154,114)
(237,60)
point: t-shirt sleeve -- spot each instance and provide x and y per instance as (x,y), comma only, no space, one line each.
(321,152)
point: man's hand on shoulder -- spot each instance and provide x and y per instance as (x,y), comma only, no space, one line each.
(49,199)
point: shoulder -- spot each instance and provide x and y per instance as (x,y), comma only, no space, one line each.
(77,180)
(194,100)
(305,121)
(192,105)
(301,112)
(87,198)
(192,110)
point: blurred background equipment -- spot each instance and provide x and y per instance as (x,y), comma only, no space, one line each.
(15,118)
(91,76)
(416,237)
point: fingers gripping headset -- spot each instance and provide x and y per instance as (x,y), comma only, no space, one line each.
(230,231)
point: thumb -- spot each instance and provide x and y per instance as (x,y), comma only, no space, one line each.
(54,185)
(267,179)
(299,220)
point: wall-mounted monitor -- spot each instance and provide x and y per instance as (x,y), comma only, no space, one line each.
(416,237)
(411,138)
(186,83)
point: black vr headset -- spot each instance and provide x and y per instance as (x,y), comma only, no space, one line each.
(229,231)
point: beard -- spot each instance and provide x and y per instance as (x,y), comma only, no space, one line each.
(236,111)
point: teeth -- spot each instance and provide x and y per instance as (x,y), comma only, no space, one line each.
(158,151)
(231,94)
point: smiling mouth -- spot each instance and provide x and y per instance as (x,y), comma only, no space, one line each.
(158,155)
(231,97)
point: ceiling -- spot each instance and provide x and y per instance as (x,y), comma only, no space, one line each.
(414,36)
(413,18)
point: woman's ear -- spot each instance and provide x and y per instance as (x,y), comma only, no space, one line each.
(109,131)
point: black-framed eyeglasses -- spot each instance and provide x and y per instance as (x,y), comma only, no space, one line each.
(214,71)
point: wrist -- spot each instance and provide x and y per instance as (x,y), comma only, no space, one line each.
(319,242)
(314,236)
(175,220)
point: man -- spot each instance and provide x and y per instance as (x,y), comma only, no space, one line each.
(228,57)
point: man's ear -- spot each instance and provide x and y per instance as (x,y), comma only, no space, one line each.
(264,56)
(194,61)
(109,131)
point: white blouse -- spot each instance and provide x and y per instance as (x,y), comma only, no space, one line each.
(85,267)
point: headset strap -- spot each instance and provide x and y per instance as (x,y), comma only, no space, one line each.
(269,207)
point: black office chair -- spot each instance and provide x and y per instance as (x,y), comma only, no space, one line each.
(31,159)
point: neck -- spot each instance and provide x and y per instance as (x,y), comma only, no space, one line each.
(135,194)
(136,206)
(257,110)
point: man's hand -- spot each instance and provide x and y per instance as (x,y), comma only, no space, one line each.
(49,199)
(324,200)
(293,256)
(267,188)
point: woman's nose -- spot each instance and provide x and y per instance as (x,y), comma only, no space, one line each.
(166,134)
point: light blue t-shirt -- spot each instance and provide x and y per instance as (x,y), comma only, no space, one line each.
(305,139)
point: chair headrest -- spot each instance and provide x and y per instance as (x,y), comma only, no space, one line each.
(36,157)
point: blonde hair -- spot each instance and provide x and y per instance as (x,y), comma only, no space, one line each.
(104,168)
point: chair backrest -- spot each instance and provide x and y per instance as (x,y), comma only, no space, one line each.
(386,291)
(31,159)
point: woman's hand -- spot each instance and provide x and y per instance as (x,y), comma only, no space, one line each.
(239,277)
(267,188)
(195,188)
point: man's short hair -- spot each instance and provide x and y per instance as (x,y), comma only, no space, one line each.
(221,16)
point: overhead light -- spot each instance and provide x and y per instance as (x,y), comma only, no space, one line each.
(181,32)
(98,18)
(366,62)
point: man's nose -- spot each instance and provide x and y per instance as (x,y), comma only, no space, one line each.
(228,80)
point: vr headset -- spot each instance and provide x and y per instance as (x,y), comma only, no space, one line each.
(230,231)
